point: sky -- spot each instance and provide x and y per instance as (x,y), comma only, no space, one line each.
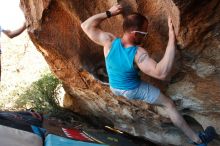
(11,16)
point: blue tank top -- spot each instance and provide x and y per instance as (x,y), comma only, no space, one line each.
(120,66)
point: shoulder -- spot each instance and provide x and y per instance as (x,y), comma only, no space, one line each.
(141,54)
(141,50)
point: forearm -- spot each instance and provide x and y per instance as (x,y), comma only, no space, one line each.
(166,63)
(14,33)
(94,21)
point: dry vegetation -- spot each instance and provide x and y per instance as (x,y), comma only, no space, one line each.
(22,64)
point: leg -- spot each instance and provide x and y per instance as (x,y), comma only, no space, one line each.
(176,117)
(152,95)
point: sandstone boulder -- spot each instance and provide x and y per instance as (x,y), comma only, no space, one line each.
(194,84)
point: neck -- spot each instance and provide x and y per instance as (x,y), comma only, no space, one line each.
(126,41)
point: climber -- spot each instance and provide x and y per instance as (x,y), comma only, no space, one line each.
(123,57)
(11,34)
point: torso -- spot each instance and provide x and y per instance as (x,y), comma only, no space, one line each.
(120,65)
(107,48)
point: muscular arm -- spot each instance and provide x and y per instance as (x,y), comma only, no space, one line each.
(161,69)
(92,27)
(12,34)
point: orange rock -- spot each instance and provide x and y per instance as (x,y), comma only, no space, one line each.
(54,27)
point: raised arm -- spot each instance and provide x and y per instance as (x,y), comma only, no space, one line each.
(92,26)
(151,67)
(14,33)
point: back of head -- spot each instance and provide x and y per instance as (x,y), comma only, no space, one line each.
(134,21)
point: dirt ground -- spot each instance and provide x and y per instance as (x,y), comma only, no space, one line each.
(22,64)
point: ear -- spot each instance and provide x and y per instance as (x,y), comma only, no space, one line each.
(132,35)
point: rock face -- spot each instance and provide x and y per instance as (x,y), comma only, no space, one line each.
(194,84)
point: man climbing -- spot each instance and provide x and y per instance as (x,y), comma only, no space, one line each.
(124,56)
(10,34)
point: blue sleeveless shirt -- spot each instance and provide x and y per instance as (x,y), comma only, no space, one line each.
(120,66)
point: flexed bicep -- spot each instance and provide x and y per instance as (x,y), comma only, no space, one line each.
(91,26)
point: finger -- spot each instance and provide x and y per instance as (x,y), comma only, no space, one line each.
(119,6)
(169,19)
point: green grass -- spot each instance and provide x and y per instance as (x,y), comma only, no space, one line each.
(41,95)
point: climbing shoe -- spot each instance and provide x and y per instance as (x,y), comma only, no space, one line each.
(202,144)
(206,136)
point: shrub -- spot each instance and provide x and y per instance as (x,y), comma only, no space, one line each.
(41,95)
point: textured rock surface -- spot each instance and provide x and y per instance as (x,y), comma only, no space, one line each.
(54,27)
